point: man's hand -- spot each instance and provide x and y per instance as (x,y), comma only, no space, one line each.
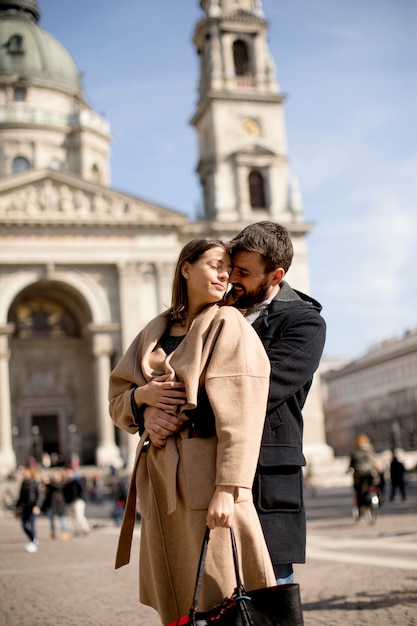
(221,507)
(161,393)
(160,425)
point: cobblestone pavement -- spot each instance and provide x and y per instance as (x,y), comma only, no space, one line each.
(356,574)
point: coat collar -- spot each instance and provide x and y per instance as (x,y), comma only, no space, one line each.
(286,299)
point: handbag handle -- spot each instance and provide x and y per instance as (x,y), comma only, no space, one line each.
(200,571)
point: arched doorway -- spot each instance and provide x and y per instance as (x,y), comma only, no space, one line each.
(51,375)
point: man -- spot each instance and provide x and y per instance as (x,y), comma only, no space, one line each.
(397,474)
(293,333)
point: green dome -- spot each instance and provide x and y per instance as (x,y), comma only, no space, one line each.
(30,54)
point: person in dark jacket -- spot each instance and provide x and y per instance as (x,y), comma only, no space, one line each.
(54,504)
(293,332)
(397,474)
(28,506)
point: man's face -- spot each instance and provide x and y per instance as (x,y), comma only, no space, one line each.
(250,283)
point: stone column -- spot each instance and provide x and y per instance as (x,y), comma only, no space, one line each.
(216,73)
(108,452)
(7,455)
(164,277)
(136,286)
(140,301)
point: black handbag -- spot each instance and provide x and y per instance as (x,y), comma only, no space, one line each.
(270,606)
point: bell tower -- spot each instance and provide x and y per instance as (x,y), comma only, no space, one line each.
(243,166)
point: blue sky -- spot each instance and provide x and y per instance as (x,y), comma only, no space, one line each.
(349,71)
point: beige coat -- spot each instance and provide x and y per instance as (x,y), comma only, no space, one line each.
(175,484)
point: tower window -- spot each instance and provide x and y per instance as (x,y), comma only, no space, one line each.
(15,45)
(20,164)
(95,174)
(241,58)
(257,190)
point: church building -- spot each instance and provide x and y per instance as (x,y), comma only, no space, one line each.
(78,257)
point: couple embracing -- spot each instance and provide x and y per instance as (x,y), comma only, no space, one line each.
(217,392)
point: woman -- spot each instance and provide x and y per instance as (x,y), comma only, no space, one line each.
(204,473)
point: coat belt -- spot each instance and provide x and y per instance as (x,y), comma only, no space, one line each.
(129,518)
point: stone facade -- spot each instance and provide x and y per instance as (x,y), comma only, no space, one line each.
(377,395)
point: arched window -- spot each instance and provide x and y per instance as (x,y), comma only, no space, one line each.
(15,45)
(95,174)
(257,190)
(20,164)
(241,58)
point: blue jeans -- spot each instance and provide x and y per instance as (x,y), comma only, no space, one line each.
(61,519)
(284,573)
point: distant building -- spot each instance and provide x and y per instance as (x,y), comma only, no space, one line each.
(375,394)
(83,267)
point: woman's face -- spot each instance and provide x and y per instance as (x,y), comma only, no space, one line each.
(207,278)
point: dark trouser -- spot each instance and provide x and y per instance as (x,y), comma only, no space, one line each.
(28,522)
(400,486)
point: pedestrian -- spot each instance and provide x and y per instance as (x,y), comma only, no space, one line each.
(55,503)
(366,469)
(397,473)
(28,506)
(292,331)
(120,491)
(96,494)
(202,474)
(75,497)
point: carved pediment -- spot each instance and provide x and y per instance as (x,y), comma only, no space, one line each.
(54,198)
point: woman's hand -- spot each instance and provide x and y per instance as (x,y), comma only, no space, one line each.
(221,507)
(160,425)
(161,393)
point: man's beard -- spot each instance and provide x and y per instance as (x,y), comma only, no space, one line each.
(249,298)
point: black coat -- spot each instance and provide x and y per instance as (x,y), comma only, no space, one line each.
(293,333)
(30,494)
(57,499)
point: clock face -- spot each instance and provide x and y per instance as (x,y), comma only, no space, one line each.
(250,126)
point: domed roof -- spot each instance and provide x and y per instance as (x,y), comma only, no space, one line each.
(30,54)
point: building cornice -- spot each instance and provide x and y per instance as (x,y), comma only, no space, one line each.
(244,96)
(388,350)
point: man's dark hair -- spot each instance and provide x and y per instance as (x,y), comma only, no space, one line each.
(272,241)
